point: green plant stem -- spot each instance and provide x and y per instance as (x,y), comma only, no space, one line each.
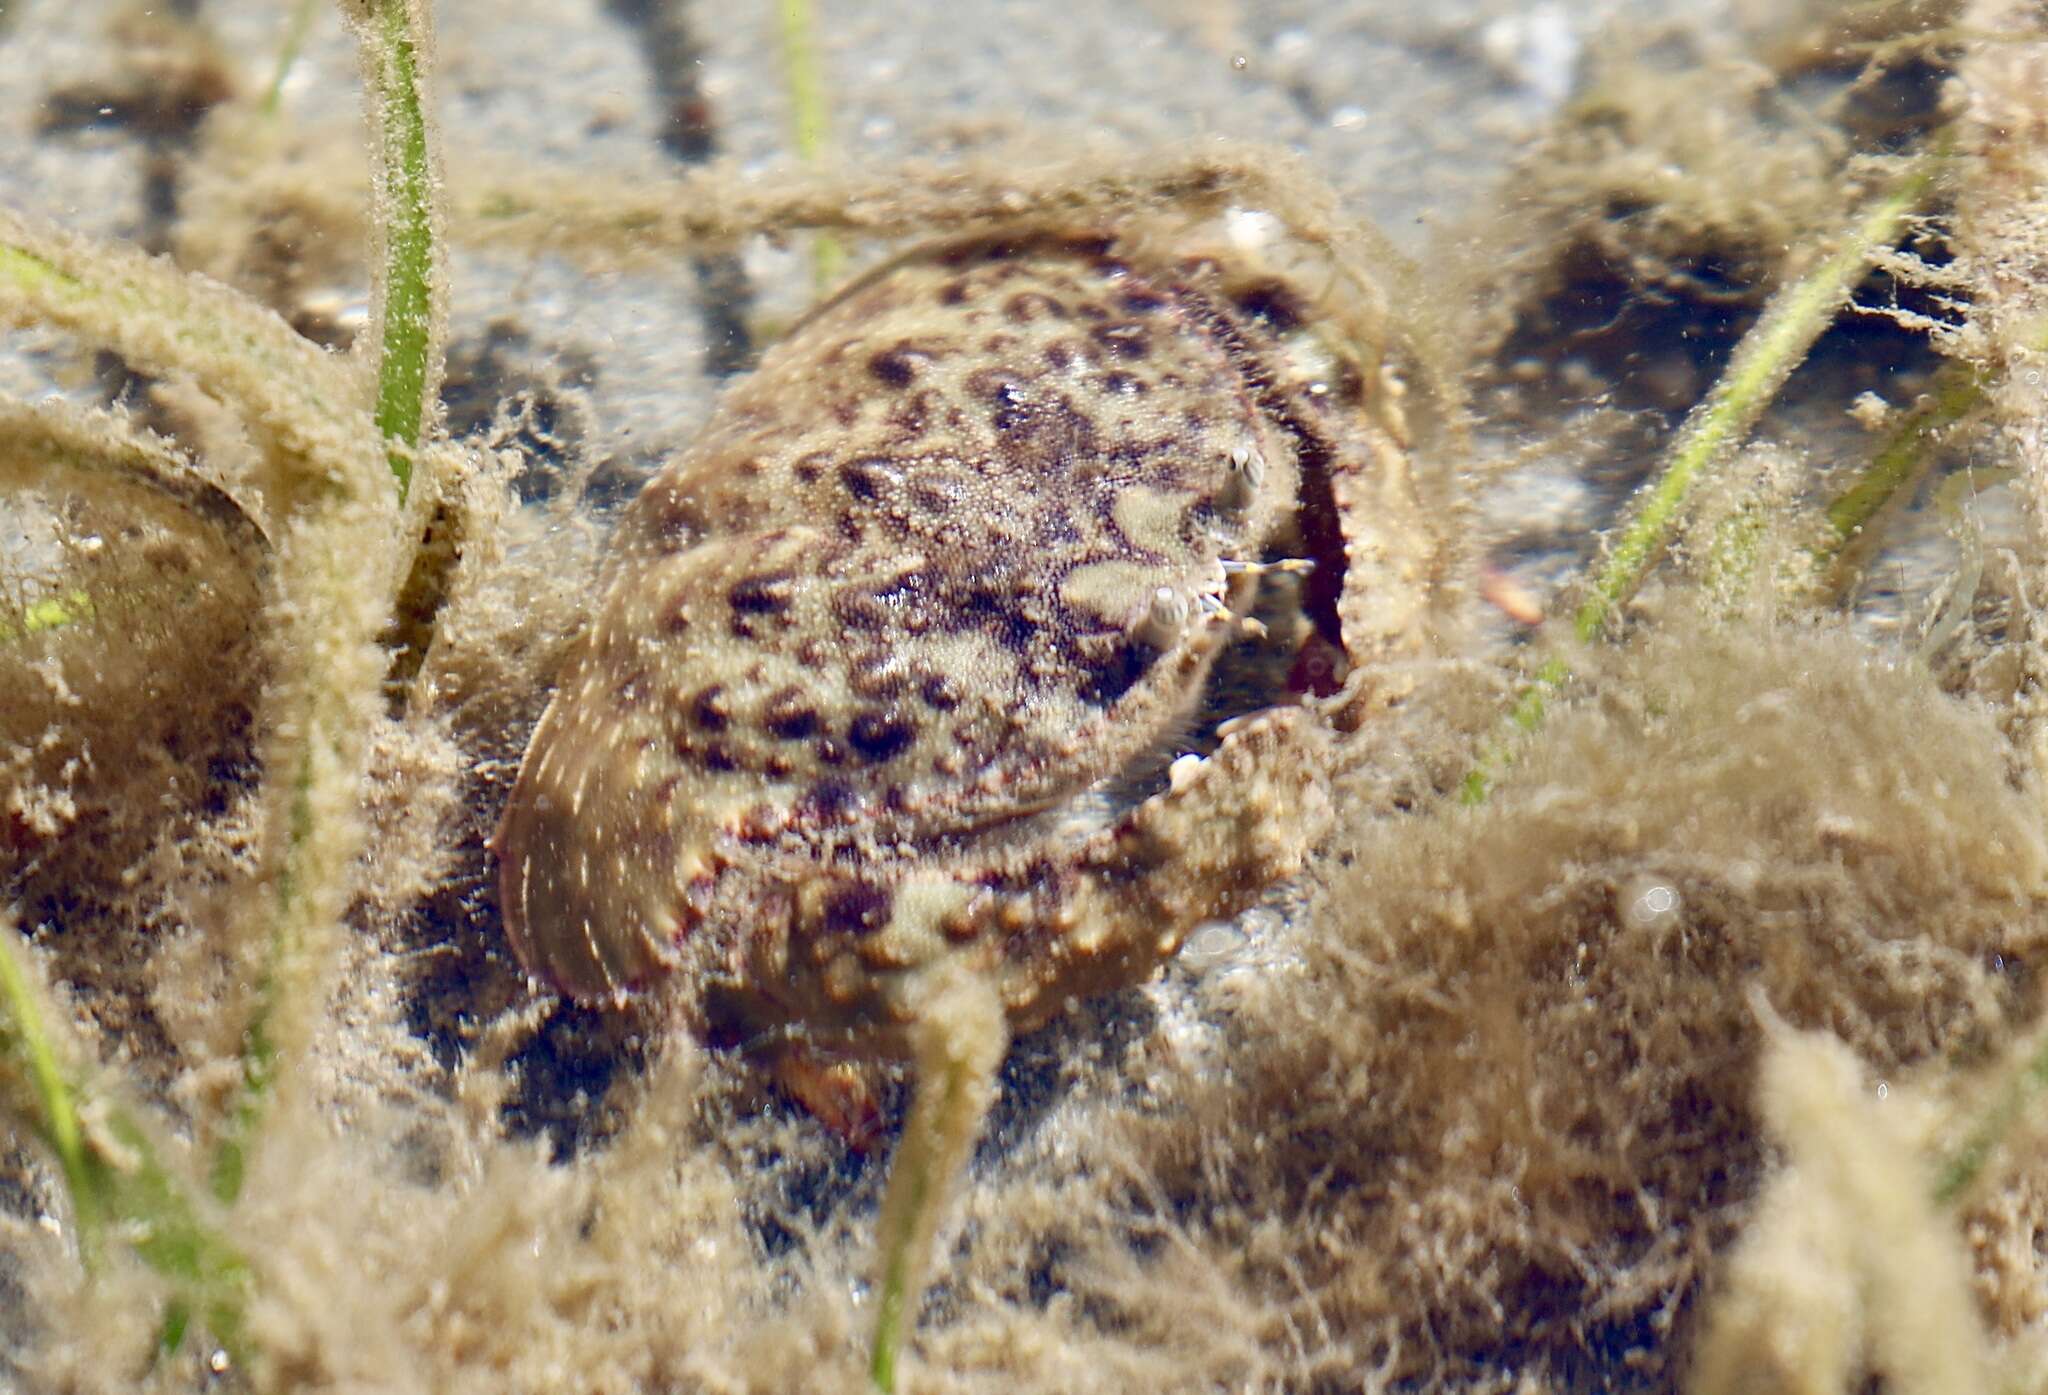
(809,118)
(300,25)
(1965,1164)
(958,1037)
(895,1292)
(1733,550)
(394,47)
(302,405)
(1959,389)
(209,1274)
(708,208)
(1762,361)
(1903,458)
(345,603)
(1524,716)
(340,549)
(339,555)
(23,1037)
(113,1169)
(333,529)
(1774,346)
(341,569)
(288,947)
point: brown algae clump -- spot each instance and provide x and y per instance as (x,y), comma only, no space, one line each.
(1507,1101)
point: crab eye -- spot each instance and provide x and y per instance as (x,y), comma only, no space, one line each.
(1163,620)
(1247,471)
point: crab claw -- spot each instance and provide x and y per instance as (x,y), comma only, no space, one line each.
(1229,826)
(1391,551)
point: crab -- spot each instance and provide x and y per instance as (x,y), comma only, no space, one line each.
(1002,619)
(995,634)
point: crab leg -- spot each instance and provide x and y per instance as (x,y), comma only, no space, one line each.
(1229,825)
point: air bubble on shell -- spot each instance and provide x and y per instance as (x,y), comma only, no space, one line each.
(1649,903)
(1211,944)
(1252,230)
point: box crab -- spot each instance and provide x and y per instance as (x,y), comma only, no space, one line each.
(993,636)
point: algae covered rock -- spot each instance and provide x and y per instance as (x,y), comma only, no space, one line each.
(130,592)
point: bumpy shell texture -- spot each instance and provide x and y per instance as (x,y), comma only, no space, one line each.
(960,556)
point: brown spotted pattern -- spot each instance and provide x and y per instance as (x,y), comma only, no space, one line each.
(959,556)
